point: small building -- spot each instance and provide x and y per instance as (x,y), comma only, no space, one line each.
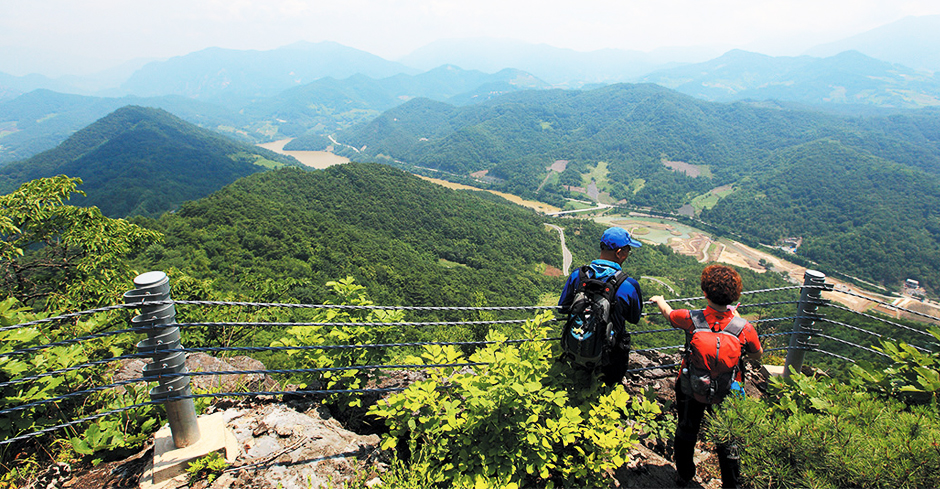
(911,284)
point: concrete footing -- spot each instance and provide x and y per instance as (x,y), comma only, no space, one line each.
(169,461)
(772,370)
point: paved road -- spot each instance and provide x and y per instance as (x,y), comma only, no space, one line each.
(565,254)
(599,206)
(664,284)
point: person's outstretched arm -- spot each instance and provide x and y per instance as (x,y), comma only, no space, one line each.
(664,308)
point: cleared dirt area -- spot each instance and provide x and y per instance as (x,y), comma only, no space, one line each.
(313,159)
(683,167)
(692,242)
(539,206)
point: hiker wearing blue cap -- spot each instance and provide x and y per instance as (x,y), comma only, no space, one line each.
(625,304)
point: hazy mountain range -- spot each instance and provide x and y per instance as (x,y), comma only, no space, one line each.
(910,42)
(849,77)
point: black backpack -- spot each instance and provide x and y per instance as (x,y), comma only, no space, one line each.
(589,332)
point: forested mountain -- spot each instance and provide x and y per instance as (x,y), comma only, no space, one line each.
(858,213)
(144,161)
(641,132)
(846,78)
(41,119)
(233,77)
(409,241)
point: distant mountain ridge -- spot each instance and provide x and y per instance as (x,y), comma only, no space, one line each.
(140,160)
(847,78)
(911,41)
(39,120)
(218,74)
(330,105)
(558,66)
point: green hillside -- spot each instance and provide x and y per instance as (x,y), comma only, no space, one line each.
(409,241)
(641,132)
(860,214)
(144,161)
(42,119)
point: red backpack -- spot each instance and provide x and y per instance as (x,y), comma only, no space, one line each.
(712,359)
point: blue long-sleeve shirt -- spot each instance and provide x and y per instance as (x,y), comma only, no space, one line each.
(629,304)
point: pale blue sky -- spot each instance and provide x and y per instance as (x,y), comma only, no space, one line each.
(108,31)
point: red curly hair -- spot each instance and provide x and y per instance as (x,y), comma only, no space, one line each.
(721,284)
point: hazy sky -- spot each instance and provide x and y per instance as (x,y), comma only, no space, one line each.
(117,30)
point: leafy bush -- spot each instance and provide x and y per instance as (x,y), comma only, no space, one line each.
(208,468)
(520,419)
(914,377)
(119,431)
(356,332)
(824,433)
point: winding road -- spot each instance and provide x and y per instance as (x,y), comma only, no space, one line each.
(565,254)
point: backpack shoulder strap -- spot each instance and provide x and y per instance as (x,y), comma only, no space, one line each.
(698,320)
(615,281)
(735,326)
(698,323)
(583,276)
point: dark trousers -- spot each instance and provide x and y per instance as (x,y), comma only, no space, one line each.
(691,413)
(619,358)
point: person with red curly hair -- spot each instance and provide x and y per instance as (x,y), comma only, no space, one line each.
(722,287)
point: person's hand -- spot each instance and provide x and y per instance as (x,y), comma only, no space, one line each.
(657,299)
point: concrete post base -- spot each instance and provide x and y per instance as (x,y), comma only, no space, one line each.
(772,370)
(169,461)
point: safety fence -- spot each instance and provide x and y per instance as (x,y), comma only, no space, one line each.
(804,331)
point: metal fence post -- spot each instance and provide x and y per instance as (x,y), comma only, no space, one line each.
(810,299)
(158,321)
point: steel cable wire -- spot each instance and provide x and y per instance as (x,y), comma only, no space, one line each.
(350,323)
(876,318)
(72,341)
(899,308)
(833,338)
(75,367)
(71,395)
(66,316)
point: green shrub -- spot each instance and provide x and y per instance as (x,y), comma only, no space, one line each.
(522,419)
(913,377)
(353,333)
(823,433)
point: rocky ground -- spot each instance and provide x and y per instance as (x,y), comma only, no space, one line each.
(296,443)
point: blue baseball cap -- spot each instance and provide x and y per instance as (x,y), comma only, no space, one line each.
(615,238)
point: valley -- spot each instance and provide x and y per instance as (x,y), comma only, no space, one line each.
(313,159)
(681,238)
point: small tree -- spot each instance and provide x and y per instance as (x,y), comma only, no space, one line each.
(57,256)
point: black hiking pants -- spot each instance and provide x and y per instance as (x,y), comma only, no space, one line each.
(619,357)
(691,413)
